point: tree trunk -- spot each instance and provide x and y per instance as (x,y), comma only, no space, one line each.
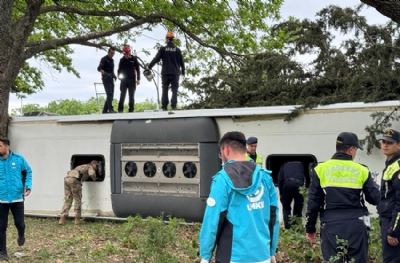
(390,9)
(4,97)
(6,46)
(14,35)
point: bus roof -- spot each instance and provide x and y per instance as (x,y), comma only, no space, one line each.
(227,112)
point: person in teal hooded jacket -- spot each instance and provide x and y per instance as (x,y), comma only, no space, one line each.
(15,185)
(241,213)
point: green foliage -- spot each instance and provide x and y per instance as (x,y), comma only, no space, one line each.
(76,107)
(213,32)
(294,247)
(157,240)
(383,121)
(375,243)
(363,67)
(44,253)
(343,246)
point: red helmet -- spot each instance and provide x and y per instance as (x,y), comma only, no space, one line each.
(126,49)
(170,34)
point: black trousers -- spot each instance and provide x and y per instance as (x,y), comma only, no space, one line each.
(390,254)
(17,210)
(290,192)
(130,86)
(108,84)
(352,230)
(168,79)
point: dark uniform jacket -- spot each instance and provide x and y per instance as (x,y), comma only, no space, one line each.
(389,205)
(107,64)
(172,60)
(339,203)
(290,170)
(129,67)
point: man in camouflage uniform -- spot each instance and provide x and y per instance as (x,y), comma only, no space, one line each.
(73,189)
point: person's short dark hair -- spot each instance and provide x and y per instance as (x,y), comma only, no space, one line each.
(348,138)
(235,140)
(111,49)
(342,148)
(5,141)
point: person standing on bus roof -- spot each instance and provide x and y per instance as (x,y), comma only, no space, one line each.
(172,62)
(129,75)
(106,68)
(15,185)
(251,151)
(73,189)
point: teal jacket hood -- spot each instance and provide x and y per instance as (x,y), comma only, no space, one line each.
(243,177)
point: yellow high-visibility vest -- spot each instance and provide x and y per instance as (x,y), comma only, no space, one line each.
(259,159)
(341,173)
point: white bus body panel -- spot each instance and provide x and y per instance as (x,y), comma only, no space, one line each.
(48,143)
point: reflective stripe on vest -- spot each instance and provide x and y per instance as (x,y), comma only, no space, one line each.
(390,170)
(259,160)
(341,173)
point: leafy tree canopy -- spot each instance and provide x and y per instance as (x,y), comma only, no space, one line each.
(214,33)
(363,67)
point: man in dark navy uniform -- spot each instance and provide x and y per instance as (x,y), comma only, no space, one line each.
(106,68)
(389,207)
(290,179)
(337,192)
(172,62)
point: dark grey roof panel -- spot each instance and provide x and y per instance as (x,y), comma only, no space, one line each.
(182,130)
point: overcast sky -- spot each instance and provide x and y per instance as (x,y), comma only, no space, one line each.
(66,86)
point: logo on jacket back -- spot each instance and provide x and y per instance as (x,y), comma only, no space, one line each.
(255,199)
(171,49)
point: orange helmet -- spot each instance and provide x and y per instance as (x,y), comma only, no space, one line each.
(170,34)
(126,49)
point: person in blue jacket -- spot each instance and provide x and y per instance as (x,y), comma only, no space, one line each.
(241,213)
(15,184)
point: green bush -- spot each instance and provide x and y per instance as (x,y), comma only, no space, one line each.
(158,241)
(294,247)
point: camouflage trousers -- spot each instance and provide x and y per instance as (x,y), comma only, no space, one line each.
(72,192)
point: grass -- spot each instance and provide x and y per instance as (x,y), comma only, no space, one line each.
(144,241)
(137,240)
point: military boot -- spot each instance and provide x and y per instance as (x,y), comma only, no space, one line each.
(77,219)
(62,220)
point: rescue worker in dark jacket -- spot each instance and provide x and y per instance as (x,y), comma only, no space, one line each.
(172,62)
(129,75)
(335,194)
(389,207)
(106,68)
(290,179)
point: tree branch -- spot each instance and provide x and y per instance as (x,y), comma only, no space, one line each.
(196,38)
(97,45)
(388,8)
(35,47)
(71,10)
(22,28)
